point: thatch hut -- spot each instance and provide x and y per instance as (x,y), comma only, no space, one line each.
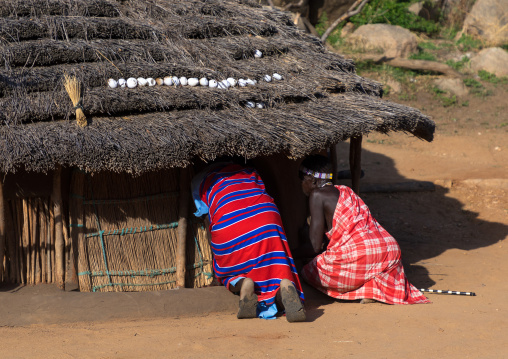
(105,201)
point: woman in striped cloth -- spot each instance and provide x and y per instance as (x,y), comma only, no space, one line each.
(251,254)
(354,257)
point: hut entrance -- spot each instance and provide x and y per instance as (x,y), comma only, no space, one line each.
(125,230)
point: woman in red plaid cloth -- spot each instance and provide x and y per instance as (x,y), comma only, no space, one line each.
(354,257)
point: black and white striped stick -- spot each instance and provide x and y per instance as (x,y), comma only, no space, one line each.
(447,292)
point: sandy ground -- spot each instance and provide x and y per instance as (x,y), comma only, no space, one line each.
(453,238)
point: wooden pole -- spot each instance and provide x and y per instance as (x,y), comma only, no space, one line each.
(77,219)
(25,259)
(2,230)
(36,240)
(334,154)
(182,226)
(49,243)
(59,242)
(27,235)
(355,163)
(42,240)
(10,235)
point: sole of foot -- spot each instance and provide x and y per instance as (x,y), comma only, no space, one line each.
(295,312)
(367,301)
(248,300)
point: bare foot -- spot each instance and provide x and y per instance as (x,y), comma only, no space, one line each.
(248,300)
(367,301)
(291,302)
(247,288)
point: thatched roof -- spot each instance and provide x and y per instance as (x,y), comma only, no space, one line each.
(319,101)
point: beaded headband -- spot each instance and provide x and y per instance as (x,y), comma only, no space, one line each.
(316,174)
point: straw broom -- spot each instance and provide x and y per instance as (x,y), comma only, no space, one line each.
(73,88)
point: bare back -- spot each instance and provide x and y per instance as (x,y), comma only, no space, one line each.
(322,204)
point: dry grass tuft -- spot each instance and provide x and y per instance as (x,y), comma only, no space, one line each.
(73,88)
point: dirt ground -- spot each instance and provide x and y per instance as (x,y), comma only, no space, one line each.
(454,237)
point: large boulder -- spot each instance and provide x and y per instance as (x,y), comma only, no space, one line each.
(392,41)
(453,86)
(488,21)
(493,60)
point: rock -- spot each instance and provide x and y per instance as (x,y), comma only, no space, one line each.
(454,86)
(493,60)
(394,86)
(416,7)
(488,21)
(347,29)
(393,41)
(429,10)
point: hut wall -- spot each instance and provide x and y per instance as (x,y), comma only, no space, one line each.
(30,228)
(125,232)
(119,232)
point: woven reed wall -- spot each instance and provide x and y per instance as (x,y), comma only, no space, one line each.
(125,232)
(30,239)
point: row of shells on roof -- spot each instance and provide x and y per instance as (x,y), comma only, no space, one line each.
(183,81)
(252,104)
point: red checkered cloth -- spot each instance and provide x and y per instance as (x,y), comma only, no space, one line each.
(362,259)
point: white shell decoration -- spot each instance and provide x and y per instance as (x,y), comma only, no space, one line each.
(258,54)
(260,105)
(250,104)
(168,81)
(112,83)
(132,82)
(142,81)
(193,81)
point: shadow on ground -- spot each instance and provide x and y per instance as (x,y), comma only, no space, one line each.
(426,223)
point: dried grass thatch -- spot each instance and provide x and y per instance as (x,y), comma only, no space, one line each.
(320,101)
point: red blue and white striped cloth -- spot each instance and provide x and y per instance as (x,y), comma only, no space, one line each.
(248,240)
(362,260)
